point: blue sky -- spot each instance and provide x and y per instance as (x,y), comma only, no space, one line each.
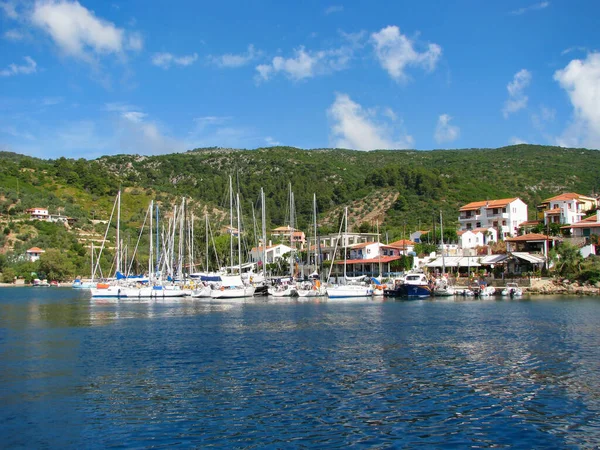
(89,78)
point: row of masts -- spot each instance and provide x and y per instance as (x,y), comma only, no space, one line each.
(171,245)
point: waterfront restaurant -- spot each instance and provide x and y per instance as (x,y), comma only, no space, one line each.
(367,267)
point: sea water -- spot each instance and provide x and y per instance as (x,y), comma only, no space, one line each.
(77,372)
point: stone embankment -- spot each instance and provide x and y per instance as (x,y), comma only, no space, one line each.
(557,286)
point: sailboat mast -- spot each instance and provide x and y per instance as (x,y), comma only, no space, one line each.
(150,250)
(442,240)
(378,249)
(315,230)
(239,232)
(231,224)
(264,231)
(292,230)
(206,217)
(344,241)
(157,242)
(118,264)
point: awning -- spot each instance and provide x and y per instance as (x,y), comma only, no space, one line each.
(454,261)
(533,259)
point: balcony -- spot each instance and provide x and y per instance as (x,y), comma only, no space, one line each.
(464,216)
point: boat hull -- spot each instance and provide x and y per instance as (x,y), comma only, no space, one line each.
(409,291)
(349,291)
(235,292)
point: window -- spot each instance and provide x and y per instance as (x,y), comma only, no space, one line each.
(478,225)
(504,223)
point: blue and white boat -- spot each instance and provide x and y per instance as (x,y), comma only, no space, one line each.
(412,286)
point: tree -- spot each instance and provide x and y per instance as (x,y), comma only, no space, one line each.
(8,275)
(567,260)
(57,265)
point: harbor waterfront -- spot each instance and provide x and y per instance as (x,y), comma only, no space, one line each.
(263,372)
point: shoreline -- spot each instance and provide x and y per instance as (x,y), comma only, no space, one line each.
(546,287)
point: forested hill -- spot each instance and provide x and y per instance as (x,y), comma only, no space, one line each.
(399,188)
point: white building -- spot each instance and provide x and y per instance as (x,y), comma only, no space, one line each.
(504,215)
(38,213)
(34,253)
(366,250)
(477,237)
(586,227)
(566,208)
(273,253)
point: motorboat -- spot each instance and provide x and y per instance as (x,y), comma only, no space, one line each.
(512,290)
(412,286)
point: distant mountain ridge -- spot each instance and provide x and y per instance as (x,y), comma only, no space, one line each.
(399,189)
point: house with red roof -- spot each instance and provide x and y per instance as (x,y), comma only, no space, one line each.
(586,227)
(504,215)
(34,253)
(38,213)
(567,208)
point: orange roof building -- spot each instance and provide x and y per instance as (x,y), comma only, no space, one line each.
(567,208)
(504,215)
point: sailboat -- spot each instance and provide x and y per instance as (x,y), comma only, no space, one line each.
(441,287)
(313,288)
(286,286)
(108,290)
(232,286)
(205,282)
(349,289)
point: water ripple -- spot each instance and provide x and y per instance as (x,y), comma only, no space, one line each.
(258,374)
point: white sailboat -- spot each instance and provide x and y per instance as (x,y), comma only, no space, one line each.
(232,286)
(288,287)
(352,289)
(441,287)
(313,288)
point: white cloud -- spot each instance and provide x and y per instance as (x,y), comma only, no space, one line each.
(14,35)
(231,60)
(272,142)
(165,60)
(26,69)
(9,9)
(517,100)
(396,52)
(135,41)
(356,128)
(516,141)
(306,64)
(581,80)
(134,116)
(210,121)
(78,32)
(534,7)
(444,132)
(334,9)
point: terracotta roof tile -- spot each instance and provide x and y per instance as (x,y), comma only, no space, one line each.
(530,237)
(488,204)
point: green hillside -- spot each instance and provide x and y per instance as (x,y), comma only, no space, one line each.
(425,181)
(398,190)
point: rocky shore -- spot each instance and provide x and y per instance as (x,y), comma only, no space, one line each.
(557,286)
